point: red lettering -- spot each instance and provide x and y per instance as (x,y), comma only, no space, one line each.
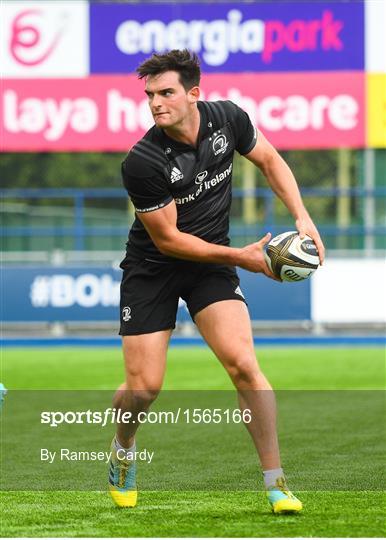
(313,28)
(300,35)
(273,39)
(26,37)
(330,31)
(296,36)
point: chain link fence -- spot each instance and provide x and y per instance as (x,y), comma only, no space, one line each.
(344,191)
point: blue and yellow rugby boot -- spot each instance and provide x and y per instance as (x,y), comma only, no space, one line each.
(122,485)
(281,499)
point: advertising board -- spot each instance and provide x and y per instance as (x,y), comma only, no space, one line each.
(342,292)
(111,113)
(69,294)
(376,110)
(44,39)
(375,36)
(230,37)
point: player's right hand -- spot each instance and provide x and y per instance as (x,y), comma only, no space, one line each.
(252,258)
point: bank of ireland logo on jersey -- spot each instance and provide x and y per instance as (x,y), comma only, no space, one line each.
(220,144)
(201,177)
(175,175)
(126,311)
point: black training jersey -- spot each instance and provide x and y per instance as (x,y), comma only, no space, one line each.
(159,169)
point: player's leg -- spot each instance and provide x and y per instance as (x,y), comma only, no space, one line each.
(145,362)
(225,326)
(149,301)
(236,353)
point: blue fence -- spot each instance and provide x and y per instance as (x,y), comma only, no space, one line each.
(79,230)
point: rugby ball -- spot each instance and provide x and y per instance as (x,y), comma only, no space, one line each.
(292,258)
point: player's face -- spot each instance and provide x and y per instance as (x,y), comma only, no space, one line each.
(169,102)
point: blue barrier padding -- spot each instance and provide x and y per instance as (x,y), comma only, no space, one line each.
(113,341)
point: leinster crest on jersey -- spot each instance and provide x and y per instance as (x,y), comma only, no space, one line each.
(220,144)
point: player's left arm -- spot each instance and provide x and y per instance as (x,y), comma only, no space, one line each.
(283,183)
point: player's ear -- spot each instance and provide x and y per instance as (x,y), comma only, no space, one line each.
(194,94)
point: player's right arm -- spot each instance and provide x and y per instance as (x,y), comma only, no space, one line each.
(156,209)
(161,226)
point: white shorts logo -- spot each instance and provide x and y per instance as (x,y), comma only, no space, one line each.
(220,145)
(126,314)
(239,292)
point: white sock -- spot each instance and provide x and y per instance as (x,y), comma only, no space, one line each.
(271,476)
(118,446)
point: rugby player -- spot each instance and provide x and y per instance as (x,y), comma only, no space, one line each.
(178,177)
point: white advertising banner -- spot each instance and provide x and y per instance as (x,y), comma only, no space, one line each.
(349,291)
(375,41)
(44,39)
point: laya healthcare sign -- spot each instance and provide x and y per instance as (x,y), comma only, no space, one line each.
(230,37)
(313,110)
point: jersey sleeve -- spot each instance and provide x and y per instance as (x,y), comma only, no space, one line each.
(147,188)
(244,132)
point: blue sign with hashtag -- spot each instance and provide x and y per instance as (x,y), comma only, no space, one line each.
(60,294)
(69,294)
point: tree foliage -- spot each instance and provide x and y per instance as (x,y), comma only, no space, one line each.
(61,170)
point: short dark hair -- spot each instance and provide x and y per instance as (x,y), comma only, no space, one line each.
(185,62)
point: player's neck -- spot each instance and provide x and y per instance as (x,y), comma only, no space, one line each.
(187,131)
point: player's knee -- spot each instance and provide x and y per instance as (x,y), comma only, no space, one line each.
(243,371)
(140,400)
(134,400)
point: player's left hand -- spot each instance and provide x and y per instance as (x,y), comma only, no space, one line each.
(305,225)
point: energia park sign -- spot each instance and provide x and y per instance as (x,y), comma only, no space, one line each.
(279,36)
(64,38)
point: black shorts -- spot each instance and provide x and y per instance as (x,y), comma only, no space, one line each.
(150,291)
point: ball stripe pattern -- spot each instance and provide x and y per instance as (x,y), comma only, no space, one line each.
(292,258)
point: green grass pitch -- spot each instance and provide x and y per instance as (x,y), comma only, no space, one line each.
(327,513)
